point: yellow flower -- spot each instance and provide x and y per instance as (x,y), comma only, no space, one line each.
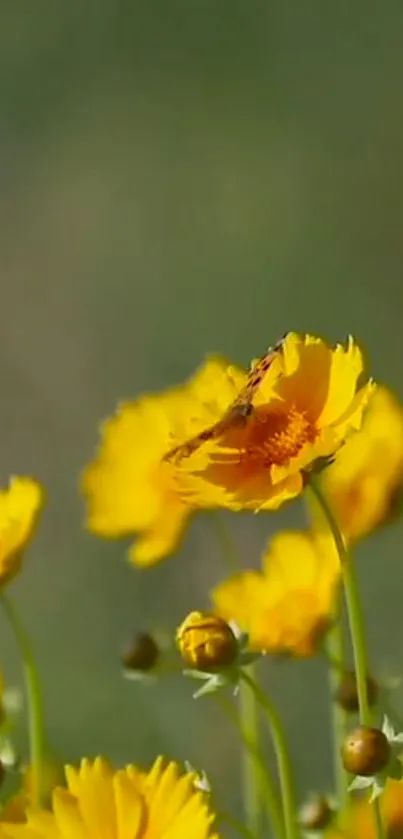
(287,606)
(359,820)
(14,809)
(128,487)
(367,475)
(121,804)
(20,505)
(306,405)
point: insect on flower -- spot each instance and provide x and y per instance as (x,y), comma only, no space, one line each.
(238,412)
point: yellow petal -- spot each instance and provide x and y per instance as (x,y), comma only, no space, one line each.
(164,537)
(346,368)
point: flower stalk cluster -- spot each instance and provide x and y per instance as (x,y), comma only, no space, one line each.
(304,421)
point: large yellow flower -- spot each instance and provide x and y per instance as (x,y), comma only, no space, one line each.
(366,478)
(285,608)
(20,505)
(103,803)
(359,820)
(128,487)
(306,405)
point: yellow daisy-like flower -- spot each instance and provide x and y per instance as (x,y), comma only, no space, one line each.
(366,478)
(287,606)
(359,820)
(14,809)
(100,801)
(129,488)
(307,403)
(20,505)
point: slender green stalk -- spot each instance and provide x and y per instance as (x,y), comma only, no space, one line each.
(225,541)
(36,729)
(235,824)
(380,832)
(356,623)
(353,603)
(248,709)
(335,649)
(282,756)
(263,776)
(249,715)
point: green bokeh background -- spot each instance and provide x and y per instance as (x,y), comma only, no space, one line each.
(179,177)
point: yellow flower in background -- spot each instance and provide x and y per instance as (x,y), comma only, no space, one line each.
(366,478)
(307,403)
(20,505)
(129,489)
(14,809)
(285,608)
(121,804)
(359,820)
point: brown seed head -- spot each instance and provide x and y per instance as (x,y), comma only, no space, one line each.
(365,751)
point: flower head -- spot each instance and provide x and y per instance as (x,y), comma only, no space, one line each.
(205,641)
(286,607)
(129,488)
(20,505)
(307,403)
(141,653)
(122,804)
(367,475)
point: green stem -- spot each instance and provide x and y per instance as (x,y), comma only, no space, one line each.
(282,755)
(390,711)
(356,622)
(250,723)
(236,824)
(353,603)
(335,649)
(34,699)
(263,777)
(380,833)
(248,709)
(227,545)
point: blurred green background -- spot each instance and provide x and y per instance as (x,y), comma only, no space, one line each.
(179,177)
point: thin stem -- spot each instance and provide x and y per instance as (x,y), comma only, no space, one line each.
(248,709)
(250,723)
(282,755)
(225,541)
(235,823)
(36,730)
(390,711)
(263,777)
(380,832)
(335,649)
(353,603)
(356,622)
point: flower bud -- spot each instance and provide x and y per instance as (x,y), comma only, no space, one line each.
(365,751)
(206,642)
(346,694)
(316,813)
(141,653)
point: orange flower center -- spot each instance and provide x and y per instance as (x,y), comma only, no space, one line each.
(272,436)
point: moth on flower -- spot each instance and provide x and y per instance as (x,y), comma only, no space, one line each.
(304,401)
(237,413)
